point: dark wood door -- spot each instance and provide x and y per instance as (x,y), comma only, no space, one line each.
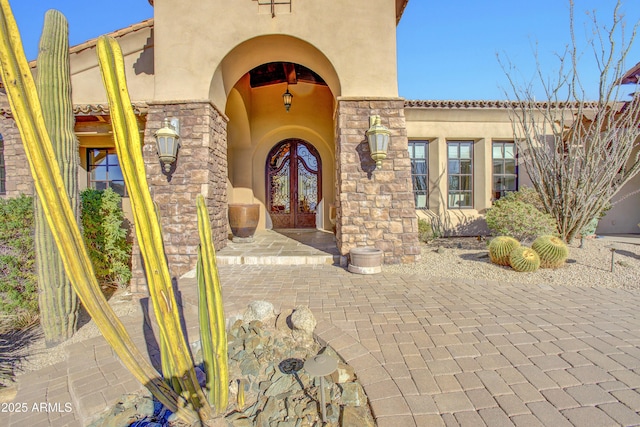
(294,184)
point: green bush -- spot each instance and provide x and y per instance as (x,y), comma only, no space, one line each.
(525,195)
(104,236)
(18,281)
(519,220)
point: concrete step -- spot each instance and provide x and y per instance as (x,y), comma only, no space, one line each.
(278,259)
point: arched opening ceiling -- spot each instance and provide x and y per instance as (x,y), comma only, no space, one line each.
(273,58)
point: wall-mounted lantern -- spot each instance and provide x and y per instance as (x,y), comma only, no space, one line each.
(378,136)
(167,142)
(287,97)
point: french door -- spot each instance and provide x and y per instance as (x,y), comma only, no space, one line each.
(294,184)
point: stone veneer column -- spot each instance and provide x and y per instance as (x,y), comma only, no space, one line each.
(375,207)
(18,177)
(201,168)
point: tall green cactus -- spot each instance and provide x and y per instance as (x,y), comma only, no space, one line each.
(57,299)
(127,138)
(27,110)
(213,334)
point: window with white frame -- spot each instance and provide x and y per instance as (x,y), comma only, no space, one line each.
(505,168)
(104,170)
(419,155)
(460,174)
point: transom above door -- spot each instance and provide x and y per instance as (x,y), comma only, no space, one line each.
(294,184)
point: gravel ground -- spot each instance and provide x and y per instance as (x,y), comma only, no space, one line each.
(588,266)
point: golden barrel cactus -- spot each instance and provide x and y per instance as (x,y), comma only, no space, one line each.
(500,248)
(552,250)
(524,259)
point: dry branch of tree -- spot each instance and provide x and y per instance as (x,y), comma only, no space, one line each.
(580,153)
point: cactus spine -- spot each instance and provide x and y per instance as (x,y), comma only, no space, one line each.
(552,250)
(213,334)
(27,110)
(500,248)
(147,224)
(57,299)
(524,259)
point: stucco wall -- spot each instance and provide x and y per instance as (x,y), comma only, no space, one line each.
(138,51)
(362,49)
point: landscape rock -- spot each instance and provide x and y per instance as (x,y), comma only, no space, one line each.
(303,322)
(356,416)
(344,374)
(259,310)
(353,394)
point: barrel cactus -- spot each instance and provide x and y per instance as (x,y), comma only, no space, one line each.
(524,259)
(500,248)
(552,250)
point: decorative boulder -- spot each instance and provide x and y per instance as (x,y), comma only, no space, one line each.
(259,310)
(303,322)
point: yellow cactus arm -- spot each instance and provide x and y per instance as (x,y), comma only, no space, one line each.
(27,110)
(147,224)
(219,384)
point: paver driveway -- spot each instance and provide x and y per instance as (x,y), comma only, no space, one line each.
(429,352)
(464,352)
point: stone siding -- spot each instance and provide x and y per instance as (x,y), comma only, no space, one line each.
(17,171)
(375,207)
(201,168)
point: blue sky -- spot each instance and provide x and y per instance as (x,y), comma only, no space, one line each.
(446,48)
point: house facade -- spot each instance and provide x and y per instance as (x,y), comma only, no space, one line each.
(219,70)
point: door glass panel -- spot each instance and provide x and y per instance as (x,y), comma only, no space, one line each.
(280,194)
(307,189)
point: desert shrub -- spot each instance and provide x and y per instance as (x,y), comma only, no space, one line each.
(525,195)
(104,236)
(425,231)
(519,220)
(18,281)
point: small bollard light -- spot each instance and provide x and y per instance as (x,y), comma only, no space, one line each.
(613,249)
(321,365)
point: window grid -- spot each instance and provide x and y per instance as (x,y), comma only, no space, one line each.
(419,155)
(505,168)
(460,174)
(3,173)
(104,170)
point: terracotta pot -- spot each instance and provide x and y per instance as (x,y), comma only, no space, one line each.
(365,260)
(243,219)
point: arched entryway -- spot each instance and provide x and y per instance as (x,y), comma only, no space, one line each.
(293,175)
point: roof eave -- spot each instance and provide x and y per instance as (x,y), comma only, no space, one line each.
(401,5)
